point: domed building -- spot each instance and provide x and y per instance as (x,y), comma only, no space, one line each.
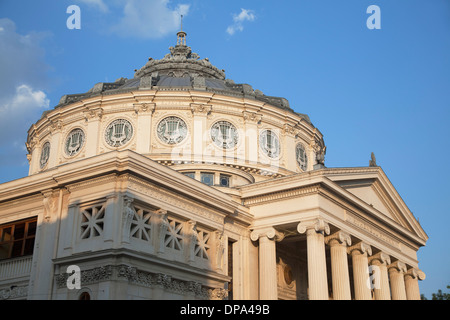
(181,184)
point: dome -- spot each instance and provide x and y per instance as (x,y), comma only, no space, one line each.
(182,69)
(183,112)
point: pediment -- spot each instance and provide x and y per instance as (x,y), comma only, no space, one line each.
(372,186)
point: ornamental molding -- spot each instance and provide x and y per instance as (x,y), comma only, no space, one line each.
(93,113)
(398,266)
(110,178)
(13,292)
(284,194)
(360,248)
(145,279)
(269,232)
(144,107)
(380,258)
(252,117)
(340,237)
(201,109)
(317,224)
(168,197)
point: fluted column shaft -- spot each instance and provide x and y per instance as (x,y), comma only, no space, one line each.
(267,269)
(317,266)
(412,286)
(338,243)
(268,286)
(381,290)
(360,263)
(396,275)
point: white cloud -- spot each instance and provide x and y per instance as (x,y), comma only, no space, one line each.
(99,4)
(23,78)
(239,19)
(149,18)
(25,99)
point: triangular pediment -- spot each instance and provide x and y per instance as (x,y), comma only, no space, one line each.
(372,187)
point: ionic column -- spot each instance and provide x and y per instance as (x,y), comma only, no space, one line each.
(268,286)
(338,243)
(381,287)
(360,262)
(396,275)
(412,284)
(317,267)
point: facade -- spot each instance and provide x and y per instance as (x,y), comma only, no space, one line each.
(181,184)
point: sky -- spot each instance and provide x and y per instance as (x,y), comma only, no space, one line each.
(384,90)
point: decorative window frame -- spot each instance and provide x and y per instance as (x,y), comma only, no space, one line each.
(238,132)
(277,135)
(42,167)
(80,150)
(107,124)
(171,145)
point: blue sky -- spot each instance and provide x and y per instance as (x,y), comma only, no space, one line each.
(385,91)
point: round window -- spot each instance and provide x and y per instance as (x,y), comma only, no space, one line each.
(118,133)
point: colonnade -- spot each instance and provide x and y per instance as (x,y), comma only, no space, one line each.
(375,276)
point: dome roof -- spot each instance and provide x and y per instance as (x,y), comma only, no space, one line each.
(181,69)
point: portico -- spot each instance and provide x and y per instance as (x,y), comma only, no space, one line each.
(334,249)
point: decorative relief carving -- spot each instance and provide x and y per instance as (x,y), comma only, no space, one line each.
(13,292)
(144,108)
(146,279)
(252,117)
(372,231)
(201,109)
(93,113)
(128,213)
(50,204)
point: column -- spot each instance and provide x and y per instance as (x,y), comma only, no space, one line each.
(268,286)
(338,243)
(317,267)
(359,253)
(379,263)
(396,275)
(412,284)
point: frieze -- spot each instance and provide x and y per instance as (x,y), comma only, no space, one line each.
(372,231)
(142,278)
(13,292)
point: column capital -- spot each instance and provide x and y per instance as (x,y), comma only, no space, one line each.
(412,273)
(319,225)
(380,257)
(360,247)
(398,265)
(269,232)
(341,237)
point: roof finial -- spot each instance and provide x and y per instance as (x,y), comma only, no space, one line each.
(181,41)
